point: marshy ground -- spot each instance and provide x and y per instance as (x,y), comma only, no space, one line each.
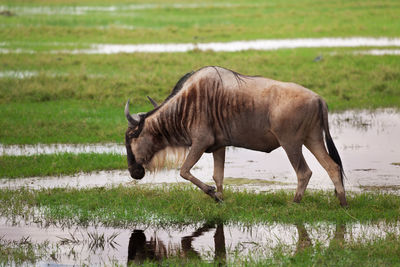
(68,67)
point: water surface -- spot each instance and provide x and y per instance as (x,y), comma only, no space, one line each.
(209,242)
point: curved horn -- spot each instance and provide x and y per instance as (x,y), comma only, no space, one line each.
(152,101)
(132,119)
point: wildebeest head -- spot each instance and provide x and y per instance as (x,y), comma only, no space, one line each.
(135,127)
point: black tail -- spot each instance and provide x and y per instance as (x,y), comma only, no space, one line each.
(333,153)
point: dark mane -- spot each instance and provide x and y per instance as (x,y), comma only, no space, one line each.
(177,88)
(240,77)
(179,85)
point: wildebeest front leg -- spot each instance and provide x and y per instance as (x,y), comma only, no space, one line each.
(303,172)
(219,161)
(193,156)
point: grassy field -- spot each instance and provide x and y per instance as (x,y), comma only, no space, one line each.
(85,94)
(38,23)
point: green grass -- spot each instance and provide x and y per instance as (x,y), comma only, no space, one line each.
(182,205)
(238,20)
(61,122)
(58,164)
(84,102)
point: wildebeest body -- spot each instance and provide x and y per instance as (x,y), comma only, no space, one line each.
(214,107)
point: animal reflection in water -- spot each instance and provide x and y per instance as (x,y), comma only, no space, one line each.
(140,249)
(304,240)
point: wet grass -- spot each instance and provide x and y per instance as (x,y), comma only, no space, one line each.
(22,252)
(58,164)
(183,205)
(86,98)
(224,21)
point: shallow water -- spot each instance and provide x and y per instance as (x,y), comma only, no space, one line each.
(29,150)
(210,242)
(367,142)
(18,74)
(233,46)
(378,52)
(82,10)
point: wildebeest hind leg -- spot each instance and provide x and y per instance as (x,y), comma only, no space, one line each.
(299,164)
(318,149)
(219,161)
(193,156)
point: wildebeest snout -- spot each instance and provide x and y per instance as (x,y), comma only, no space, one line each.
(137,171)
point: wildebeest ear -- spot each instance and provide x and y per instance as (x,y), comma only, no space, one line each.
(152,101)
(133,119)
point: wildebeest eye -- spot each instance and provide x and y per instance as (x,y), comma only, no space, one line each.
(133,132)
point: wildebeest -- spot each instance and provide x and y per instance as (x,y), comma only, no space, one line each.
(214,107)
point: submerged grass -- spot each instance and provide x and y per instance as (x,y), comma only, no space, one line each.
(23,252)
(186,205)
(58,164)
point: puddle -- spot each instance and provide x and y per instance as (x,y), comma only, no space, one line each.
(18,74)
(29,150)
(209,242)
(378,52)
(83,10)
(367,142)
(237,45)
(234,46)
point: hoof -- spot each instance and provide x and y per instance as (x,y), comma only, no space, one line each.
(210,190)
(218,197)
(297,199)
